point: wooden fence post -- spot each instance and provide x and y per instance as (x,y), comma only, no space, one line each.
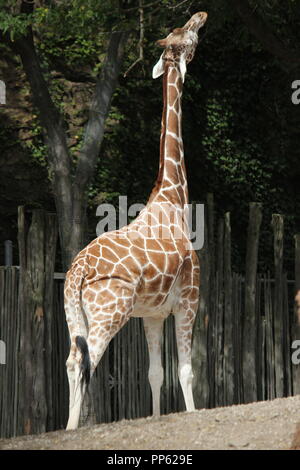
(35,303)
(51,235)
(295,324)
(249,322)
(8,253)
(211,303)
(200,331)
(278,224)
(228,317)
(219,362)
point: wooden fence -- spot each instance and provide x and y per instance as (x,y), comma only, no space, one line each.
(242,338)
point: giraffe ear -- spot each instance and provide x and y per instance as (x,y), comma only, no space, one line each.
(158,68)
(162,42)
(182,66)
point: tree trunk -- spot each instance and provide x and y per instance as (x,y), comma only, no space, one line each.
(71,195)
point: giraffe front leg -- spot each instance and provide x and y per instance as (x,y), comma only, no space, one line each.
(184,326)
(153,330)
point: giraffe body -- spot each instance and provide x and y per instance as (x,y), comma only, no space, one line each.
(147,269)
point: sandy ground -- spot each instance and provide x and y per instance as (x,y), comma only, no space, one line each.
(264,425)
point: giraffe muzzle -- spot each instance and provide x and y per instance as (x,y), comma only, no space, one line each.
(196,22)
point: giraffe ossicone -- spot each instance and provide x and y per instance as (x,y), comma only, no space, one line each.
(142,269)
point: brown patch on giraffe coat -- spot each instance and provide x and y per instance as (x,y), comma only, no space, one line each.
(105,296)
(158,260)
(172,77)
(170,194)
(139,253)
(105,267)
(173,124)
(109,255)
(172,174)
(92,273)
(94,249)
(152,244)
(88,295)
(194,294)
(92,261)
(150,271)
(154,285)
(167,282)
(181,193)
(160,298)
(172,262)
(181,178)
(128,272)
(119,245)
(121,237)
(68,292)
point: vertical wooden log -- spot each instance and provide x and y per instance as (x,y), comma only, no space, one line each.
(296,317)
(228,317)
(36,268)
(219,362)
(16,347)
(286,336)
(200,331)
(8,253)
(211,300)
(249,321)
(3,370)
(51,235)
(270,358)
(278,224)
(32,351)
(259,341)
(142,364)
(25,365)
(131,370)
(237,327)
(166,363)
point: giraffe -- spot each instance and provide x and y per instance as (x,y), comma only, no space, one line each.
(148,268)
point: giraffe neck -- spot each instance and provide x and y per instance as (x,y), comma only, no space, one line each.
(171,183)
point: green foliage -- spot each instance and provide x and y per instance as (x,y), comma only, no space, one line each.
(14,25)
(241,133)
(36,146)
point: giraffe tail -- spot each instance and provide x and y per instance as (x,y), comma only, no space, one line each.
(85,367)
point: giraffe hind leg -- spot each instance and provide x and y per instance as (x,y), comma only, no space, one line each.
(77,329)
(79,372)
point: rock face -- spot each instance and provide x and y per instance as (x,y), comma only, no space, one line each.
(268,425)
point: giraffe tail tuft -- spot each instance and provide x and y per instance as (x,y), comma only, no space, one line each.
(81,344)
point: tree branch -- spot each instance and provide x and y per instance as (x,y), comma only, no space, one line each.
(99,109)
(94,131)
(141,39)
(262,31)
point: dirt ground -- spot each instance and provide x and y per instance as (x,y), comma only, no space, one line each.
(263,425)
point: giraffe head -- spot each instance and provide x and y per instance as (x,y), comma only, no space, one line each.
(179,46)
